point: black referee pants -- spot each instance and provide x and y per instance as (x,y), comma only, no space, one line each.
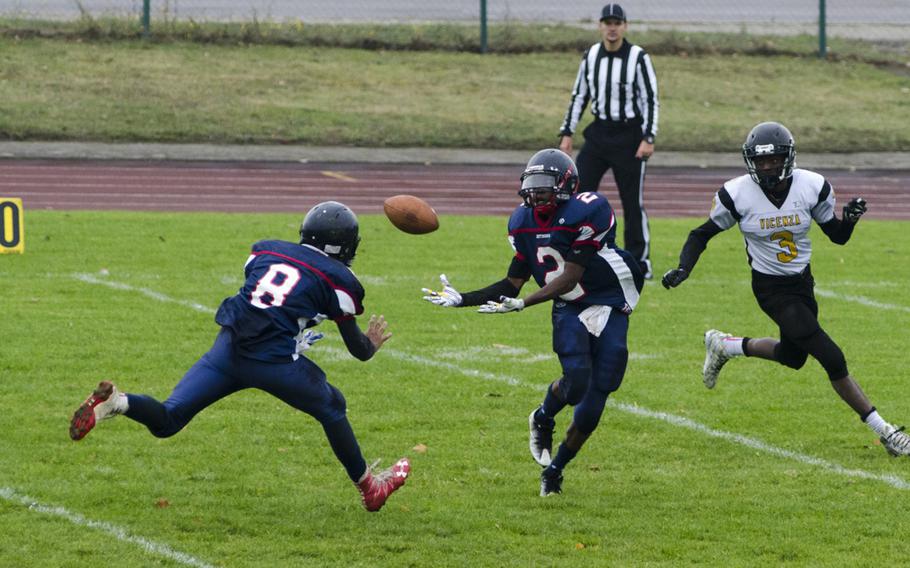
(612,146)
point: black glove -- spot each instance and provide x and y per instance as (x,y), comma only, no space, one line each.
(855,209)
(674,277)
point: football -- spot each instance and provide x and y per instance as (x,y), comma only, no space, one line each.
(411,214)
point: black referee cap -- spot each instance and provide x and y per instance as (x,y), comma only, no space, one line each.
(613,12)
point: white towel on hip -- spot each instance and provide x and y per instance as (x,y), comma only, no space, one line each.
(595,319)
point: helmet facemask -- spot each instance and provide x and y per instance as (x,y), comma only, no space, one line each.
(766,140)
(549,171)
(768,179)
(533,187)
(534,183)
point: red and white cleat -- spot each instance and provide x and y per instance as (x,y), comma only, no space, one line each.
(101,404)
(375,489)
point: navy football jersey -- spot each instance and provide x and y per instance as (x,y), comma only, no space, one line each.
(611,278)
(289,287)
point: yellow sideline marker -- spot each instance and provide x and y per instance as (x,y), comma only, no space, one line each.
(12,228)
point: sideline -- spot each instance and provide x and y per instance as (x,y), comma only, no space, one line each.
(119,533)
(672,419)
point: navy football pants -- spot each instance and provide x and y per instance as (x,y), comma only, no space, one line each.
(592,367)
(220,372)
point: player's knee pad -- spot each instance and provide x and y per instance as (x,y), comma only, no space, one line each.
(828,354)
(169,423)
(573,384)
(589,410)
(338,400)
(609,372)
(168,429)
(337,407)
(797,322)
(790,356)
(164,433)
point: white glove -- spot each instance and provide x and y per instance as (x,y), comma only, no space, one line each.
(306,340)
(448,297)
(504,305)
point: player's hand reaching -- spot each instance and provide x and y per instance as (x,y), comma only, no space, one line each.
(674,277)
(504,305)
(376,331)
(448,297)
(855,209)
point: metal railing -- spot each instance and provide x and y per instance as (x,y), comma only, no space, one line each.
(884,20)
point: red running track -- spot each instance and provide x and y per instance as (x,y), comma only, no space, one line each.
(292,187)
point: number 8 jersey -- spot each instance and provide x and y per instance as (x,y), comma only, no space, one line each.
(288,288)
(777,237)
(611,277)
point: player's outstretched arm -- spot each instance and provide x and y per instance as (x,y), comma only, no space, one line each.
(562,284)
(447,296)
(695,244)
(364,345)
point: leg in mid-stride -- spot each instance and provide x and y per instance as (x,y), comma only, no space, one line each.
(782,280)
(300,384)
(720,347)
(593,367)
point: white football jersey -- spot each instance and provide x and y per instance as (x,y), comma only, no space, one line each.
(777,238)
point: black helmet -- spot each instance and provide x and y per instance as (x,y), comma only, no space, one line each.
(549,170)
(332,228)
(769,139)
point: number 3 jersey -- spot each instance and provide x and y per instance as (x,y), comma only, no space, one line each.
(611,277)
(289,287)
(777,238)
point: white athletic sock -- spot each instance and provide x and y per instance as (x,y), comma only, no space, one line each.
(733,346)
(878,424)
(122,404)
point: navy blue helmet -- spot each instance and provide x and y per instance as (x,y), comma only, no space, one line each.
(549,170)
(332,228)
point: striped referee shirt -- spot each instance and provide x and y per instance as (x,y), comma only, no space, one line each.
(621,86)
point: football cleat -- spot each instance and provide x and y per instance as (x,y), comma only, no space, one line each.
(375,489)
(541,438)
(100,405)
(550,482)
(715,356)
(897,443)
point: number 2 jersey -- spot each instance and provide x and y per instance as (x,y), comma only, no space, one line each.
(777,237)
(611,277)
(289,287)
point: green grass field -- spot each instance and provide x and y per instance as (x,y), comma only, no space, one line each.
(770,468)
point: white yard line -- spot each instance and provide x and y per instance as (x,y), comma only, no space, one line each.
(91,279)
(119,533)
(860,300)
(680,421)
(756,444)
